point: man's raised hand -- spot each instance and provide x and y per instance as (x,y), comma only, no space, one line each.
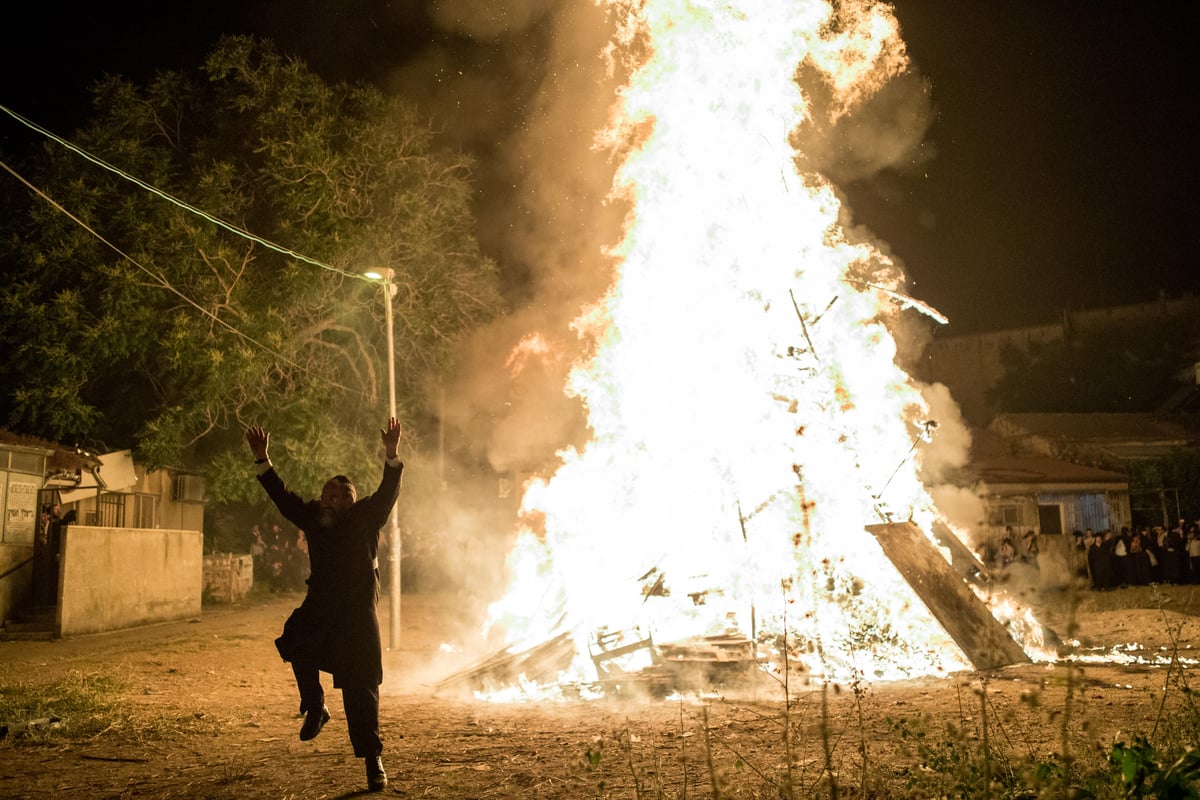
(258,439)
(391,436)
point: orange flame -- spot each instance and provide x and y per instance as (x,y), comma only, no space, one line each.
(532,345)
(747,411)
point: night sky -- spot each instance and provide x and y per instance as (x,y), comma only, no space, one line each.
(1058,171)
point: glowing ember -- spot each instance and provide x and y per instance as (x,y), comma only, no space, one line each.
(748,416)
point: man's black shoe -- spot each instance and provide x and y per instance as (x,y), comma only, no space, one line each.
(376,777)
(313,722)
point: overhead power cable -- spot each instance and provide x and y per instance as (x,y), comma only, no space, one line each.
(171,198)
(164,283)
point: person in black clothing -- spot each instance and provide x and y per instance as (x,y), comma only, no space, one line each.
(1173,555)
(1139,567)
(1100,560)
(1193,552)
(336,629)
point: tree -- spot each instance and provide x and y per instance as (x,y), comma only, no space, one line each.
(1121,367)
(191,332)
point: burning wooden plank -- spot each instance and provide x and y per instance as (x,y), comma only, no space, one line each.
(695,663)
(723,649)
(612,648)
(986,643)
(707,662)
(541,663)
(962,560)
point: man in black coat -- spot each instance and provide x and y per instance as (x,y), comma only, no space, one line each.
(336,629)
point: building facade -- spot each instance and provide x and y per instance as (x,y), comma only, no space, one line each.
(46,491)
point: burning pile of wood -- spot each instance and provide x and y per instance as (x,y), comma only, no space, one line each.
(690,664)
(939,580)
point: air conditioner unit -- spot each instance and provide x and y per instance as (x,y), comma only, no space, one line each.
(188,489)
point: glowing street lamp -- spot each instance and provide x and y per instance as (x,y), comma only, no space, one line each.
(384,276)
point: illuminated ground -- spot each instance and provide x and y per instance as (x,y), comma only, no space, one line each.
(208,711)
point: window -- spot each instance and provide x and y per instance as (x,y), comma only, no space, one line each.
(1009,515)
(188,488)
(29,463)
(145,511)
(1050,518)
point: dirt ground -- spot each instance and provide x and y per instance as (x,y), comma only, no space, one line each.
(227,727)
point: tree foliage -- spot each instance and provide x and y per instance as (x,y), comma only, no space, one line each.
(189,333)
(1121,367)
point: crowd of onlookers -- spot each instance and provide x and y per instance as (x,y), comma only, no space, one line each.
(1142,556)
(1111,559)
(280,558)
(1013,549)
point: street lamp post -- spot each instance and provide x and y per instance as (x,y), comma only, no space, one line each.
(384,277)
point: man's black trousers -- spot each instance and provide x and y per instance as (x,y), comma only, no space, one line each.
(361,704)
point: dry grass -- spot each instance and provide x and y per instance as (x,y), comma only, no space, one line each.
(85,707)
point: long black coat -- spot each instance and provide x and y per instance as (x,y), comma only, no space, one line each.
(336,628)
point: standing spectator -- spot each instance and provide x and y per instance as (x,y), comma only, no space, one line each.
(1007,553)
(1152,543)
(1100,561)
(1193,551)
(1118,547)
(1139,569)
(1029,548)
(258,552)
(1172,556)
(1083,543)
(1089,538)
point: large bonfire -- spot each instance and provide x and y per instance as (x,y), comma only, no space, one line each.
(747,412)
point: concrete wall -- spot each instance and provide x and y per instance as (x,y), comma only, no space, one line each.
(228,577)
(116,578)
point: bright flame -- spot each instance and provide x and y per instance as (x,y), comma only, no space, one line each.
(533,345)
(748,415)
